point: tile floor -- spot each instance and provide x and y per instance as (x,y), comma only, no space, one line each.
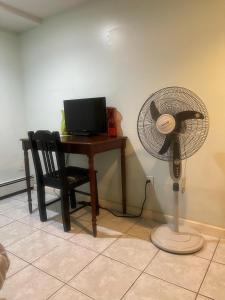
(121,263)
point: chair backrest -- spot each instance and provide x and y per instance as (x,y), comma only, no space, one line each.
(48,158)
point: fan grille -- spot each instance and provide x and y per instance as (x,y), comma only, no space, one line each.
(172,100)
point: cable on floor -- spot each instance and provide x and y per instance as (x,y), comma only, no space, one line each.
(130,216)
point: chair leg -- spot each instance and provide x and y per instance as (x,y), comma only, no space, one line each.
(73,199)
(65,210)
(41,202)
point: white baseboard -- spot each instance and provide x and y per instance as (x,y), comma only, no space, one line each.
(163,218)
(14,186)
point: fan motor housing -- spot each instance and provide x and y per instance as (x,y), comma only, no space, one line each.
(165,123)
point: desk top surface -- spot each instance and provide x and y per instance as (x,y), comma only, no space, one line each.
(88,140)
(98,139)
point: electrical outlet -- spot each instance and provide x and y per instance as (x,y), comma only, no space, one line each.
(151,178)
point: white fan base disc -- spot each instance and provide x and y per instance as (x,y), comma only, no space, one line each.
(185,241)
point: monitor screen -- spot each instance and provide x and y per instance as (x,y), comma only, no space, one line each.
(85,116)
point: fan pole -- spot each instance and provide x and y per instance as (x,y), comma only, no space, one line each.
(176,189)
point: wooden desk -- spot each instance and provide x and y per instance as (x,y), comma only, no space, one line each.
(88,146)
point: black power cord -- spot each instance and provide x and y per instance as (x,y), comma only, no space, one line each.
(131,216)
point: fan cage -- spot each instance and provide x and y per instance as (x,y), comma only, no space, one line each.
(172,100)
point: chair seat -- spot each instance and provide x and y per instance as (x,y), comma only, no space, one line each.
(75,175)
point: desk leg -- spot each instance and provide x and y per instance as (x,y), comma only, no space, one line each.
(27,173)
(123,179)
(93,189)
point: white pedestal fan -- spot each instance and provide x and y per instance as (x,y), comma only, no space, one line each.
(172,125)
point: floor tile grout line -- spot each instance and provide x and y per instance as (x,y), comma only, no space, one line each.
(151,260)
(178,284)
(80,291)
(11,244)
(66,285)
(202,296)
(18,257)
(35,231)
(88,248)
(211,260)
(98,254)
(43,271)
(6,225)
(113,259)
(35,258)
(52,234)
(31,264)
(17,272)
(55,292)
(43,255)
(137,279)
(123,263)
(131,286)
(175,284)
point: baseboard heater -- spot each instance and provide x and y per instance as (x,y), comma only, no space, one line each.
(15,186)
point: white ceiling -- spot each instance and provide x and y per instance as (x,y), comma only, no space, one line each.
(21,15)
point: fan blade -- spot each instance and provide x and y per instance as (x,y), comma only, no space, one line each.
(189,114)
(154,111)
(166,144)
(176,158)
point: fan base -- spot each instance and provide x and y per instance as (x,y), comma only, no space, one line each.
(185,241)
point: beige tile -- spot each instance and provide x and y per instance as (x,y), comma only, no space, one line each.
(105,279)
(200,297)
(5,220)
(17,213)
(214,284)
(9,203)
(14,232)
(132,251)
(35,245)
(104,238)
(51,213)
(150,288)
(121,225)
(21,197)
(86,214)
(69,293)
(70,259)
(209,247)
(16,264)
(184,270)
(30,284)
(142,228)
(219,255)
(34,221)
(56,228)
(24,198)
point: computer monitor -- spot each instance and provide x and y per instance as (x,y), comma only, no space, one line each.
(85,116)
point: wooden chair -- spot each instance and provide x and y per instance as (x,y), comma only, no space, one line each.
(51,171)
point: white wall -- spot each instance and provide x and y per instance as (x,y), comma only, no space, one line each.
(126,50)
(12,113)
